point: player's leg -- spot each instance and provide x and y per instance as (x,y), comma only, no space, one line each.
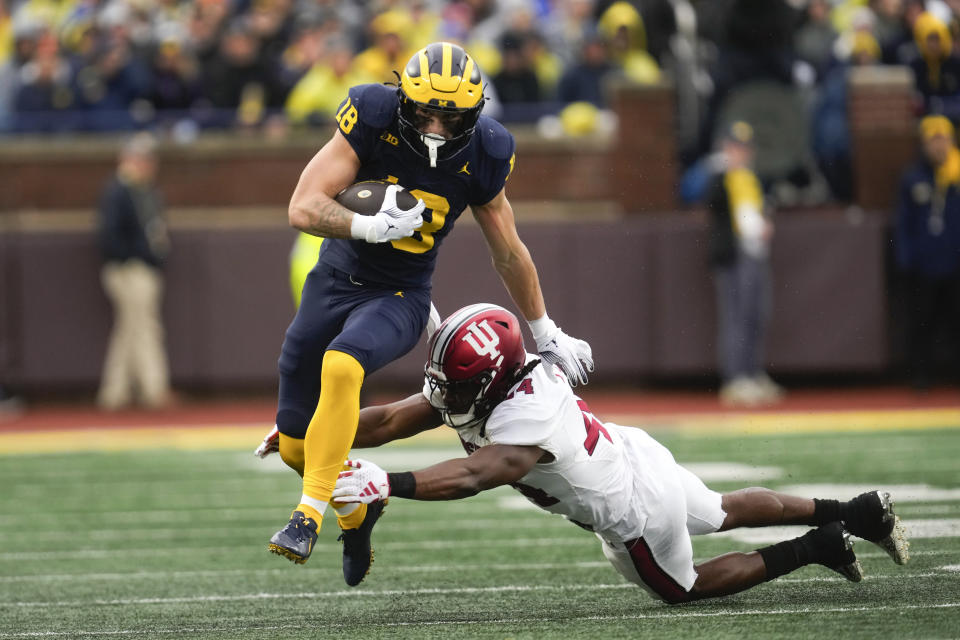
(708,511)
(730,573)
(383,327)
(869,516)
(377,334)
(326,302)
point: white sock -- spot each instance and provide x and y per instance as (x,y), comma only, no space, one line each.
(345,508)
(319,505)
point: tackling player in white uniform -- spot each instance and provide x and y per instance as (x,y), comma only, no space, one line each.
(522,425)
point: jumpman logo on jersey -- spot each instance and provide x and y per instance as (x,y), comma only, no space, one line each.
(464,168)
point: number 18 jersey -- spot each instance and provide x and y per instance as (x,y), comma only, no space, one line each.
(474,176)
(592,479)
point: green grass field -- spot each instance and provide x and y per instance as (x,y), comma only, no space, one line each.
(164,544)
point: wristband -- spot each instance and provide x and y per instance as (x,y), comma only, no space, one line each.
(402,485)
(361,228)
(542,327)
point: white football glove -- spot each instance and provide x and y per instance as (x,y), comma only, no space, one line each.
(270,444)
(573,356)
(390,223)
(365,482)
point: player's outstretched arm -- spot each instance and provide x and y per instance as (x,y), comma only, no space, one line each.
(488,467)
(402,419)
(312,207)
(513,262)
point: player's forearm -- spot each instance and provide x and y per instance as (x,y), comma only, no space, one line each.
(519,276)
(373,428)
(402,419)
(321,216)
(450,480)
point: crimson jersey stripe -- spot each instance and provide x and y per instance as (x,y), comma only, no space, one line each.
(652,574)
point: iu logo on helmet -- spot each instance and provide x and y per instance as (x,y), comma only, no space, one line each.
(484,340)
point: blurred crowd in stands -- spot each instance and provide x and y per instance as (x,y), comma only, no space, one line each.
(180,66)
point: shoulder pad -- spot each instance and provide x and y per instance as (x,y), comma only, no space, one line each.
(376,103)
(495,140)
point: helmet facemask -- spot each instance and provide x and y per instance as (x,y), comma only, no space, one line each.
(461,403)
(460,123)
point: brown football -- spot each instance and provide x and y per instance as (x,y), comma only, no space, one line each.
(366,197)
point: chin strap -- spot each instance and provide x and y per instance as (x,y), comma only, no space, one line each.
(432,143)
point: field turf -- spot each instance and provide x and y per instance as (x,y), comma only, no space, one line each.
(168,543)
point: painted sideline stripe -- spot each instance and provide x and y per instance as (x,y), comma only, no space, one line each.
(186,438)
(248,436)
(807,421)
(355,593)
(675,615)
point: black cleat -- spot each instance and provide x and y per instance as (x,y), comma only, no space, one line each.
(839,556)
(295,541)
(870,516)
(357,550)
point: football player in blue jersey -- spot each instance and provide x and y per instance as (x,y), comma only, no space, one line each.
(367,300)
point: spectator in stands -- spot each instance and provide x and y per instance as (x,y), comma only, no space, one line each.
(390,50)
(830,124)
(754,41)
(176,76)
(206,25)
(238,81)
(272,23)
(622,27)
(815,38)
(317,96)
(109,86)
(657,19)
(891,30)
(46,92)
(135,244)
(740,255)
(927,244)
(584,81)
(424,24)
(937,69)
(566,27)
(517,80)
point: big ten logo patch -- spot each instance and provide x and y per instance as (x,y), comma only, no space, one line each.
(389,137)
(484,341)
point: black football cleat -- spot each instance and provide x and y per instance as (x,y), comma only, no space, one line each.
(870,516)
(295,541)
(357,550)
(838,552)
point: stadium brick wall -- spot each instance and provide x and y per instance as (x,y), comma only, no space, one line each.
(637,286)
(638,289)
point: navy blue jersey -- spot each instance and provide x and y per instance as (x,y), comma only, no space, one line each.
(368,120)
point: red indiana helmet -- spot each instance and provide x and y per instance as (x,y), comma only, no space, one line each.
(474,359)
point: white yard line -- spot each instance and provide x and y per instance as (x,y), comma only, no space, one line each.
(356,593)
(401,569)
(675,614)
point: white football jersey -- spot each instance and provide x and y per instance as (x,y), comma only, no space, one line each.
(591,480)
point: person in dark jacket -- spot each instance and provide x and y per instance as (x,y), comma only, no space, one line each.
(927,245)
(134,242)
(741,231)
